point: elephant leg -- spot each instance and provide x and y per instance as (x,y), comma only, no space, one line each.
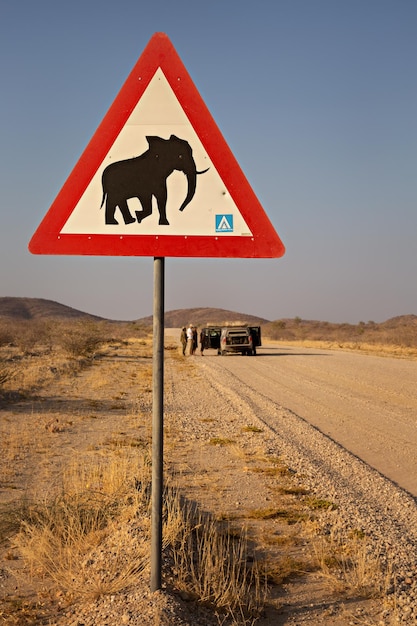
(162,204)
(146,203)
(110,211)
(127,216)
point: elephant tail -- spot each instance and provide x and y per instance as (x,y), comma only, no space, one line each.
(103,199)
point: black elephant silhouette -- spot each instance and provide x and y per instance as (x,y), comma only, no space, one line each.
(146,176)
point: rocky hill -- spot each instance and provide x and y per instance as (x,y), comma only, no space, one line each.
(205,316)
(36,308)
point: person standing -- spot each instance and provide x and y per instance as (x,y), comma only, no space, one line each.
(183,340)
(195,339)
(202,336)
(190,339)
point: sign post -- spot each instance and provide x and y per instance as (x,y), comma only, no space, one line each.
(157,422)
(157,179)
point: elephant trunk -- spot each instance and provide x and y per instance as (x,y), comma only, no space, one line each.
(192,181)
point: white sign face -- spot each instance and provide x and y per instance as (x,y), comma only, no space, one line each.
(211,211)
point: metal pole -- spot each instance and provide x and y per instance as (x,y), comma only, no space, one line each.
(157,422)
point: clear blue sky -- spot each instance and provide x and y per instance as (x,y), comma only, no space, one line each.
(317,100)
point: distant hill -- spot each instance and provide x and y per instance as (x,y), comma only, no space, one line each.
(400,321)
(37,308)
(399,330)
(203,316)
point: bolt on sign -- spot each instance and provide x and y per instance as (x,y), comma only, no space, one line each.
(157,178)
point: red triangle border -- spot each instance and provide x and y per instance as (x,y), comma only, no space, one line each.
(265,242)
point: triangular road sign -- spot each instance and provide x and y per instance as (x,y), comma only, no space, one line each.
(157,178)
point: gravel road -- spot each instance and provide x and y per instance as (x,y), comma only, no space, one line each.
(346,424)
(367,404)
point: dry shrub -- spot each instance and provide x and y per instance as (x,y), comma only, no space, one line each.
(85,338)
(28,336)
(7,373)
(348,562)
(84,539)
(127,330)
(79,545)
(6,334)
(212,562)
(81,339)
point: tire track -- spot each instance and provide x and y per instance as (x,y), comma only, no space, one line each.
(340,394)
(367,499)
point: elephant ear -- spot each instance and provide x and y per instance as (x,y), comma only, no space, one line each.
(155,142)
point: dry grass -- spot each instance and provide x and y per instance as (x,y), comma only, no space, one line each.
(288,515)
(81,540)
(345,559)
(221,441)
(212,562)
(250,428)
(274,470)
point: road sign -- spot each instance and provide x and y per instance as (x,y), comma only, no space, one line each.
(157,178)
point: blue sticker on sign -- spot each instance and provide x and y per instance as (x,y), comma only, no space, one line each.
(224,223)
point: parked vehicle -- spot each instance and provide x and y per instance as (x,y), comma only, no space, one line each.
(233,339)
(211,336)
